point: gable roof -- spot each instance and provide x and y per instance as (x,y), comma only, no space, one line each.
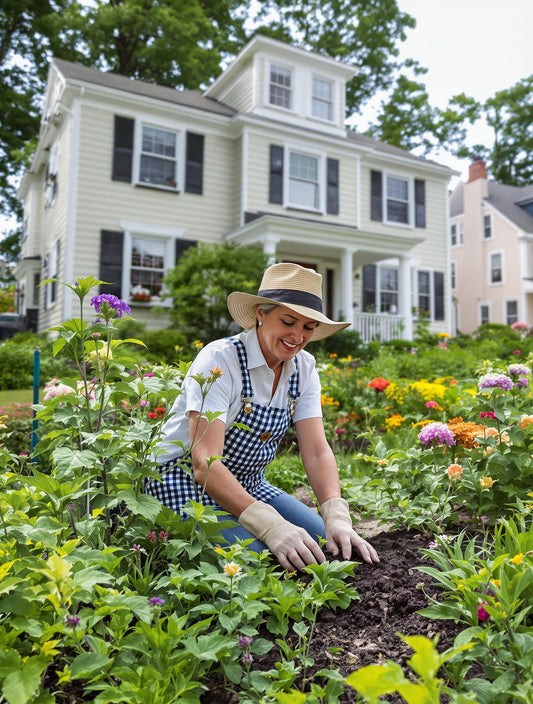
(506,199)
(188,98)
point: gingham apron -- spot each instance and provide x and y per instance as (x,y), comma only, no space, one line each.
(246,452)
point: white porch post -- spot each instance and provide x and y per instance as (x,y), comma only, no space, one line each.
(406,310)
(269,248)
(347,284)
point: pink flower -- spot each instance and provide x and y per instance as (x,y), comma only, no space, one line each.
(516,352)
(482,615)
(488,414)
(152,536)
(431,404)
(163,535)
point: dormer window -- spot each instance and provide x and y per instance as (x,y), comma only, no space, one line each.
(322,100)
(280,87)
(158,164)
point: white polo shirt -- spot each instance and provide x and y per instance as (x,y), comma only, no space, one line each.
(224,395)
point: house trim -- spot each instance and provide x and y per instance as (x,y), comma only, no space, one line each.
(70,234)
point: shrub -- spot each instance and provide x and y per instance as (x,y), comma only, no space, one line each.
(16,364)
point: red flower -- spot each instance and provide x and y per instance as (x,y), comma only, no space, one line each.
(482,615)
(378,383)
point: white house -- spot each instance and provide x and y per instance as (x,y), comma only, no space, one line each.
(128,174)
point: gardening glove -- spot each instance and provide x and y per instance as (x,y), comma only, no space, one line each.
(291,545)
(339,531)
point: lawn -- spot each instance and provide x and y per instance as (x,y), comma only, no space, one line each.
(16,396)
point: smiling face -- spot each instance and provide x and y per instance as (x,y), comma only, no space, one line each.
(282,334)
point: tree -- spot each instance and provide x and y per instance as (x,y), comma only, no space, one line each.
(365,33)
(201,282)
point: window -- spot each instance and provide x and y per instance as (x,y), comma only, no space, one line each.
(304,181)
(147,268)
(322,101)
(280,87)
(51,271)
(511,312)
(453,275)
(487,226)
(496,268)
(461,233)
(388,290)
(158,157)
(484,313)
(397,199)
(424,292)
(50,186)
(453,235)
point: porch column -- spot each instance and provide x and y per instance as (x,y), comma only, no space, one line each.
(406,308)
(269,248)
(347,285)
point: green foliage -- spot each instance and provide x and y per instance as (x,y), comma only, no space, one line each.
(17,360)
(201,282)
(346,343)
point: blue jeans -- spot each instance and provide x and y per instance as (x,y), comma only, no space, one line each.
(292,510)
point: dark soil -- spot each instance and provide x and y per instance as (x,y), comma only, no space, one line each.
(367,631)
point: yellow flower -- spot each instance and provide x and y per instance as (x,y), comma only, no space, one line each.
(517,559)
(487,482)
(220,550)
(496,582)
(383,463)
(232,569)
(443,334)
(394,421)
(197,344)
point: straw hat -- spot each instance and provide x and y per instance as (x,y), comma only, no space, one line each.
(291,286)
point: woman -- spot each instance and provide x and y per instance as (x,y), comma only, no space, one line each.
(267,382)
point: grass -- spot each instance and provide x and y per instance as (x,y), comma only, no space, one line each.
(16,396)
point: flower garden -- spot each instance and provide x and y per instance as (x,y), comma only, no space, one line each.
(107,596)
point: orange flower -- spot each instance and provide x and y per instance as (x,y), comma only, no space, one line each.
(454,471)
(465,432)
(378,383)
(525,421)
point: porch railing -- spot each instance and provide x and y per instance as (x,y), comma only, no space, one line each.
(378,326)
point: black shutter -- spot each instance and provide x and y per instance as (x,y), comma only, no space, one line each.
(123,149)
(420,203)
(275,194)
(376,196)
(182,245)
(369,286)
(194,163)
(333,187)
(111,253)
(438,294)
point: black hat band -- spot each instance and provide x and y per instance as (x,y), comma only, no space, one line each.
(293,297)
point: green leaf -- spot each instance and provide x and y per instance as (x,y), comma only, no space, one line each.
(143,505)
(20,687)
(87,663)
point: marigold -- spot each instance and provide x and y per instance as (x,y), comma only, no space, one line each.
(517,559)
(465,432)
(454,471)
(394,422)
(232,569)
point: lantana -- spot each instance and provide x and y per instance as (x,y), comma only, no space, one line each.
(378,383)
(110,306)
(495,380)
(436,433)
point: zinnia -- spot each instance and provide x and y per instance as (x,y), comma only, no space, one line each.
(454,471)
(431,404)
(378,383)
(436,433)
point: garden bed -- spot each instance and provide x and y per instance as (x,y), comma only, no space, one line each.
(367,631)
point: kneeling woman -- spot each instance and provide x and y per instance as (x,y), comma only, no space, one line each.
(268,382)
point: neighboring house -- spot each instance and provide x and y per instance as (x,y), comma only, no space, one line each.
(491,238)
(128,174)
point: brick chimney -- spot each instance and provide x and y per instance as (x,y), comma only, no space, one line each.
(477,170)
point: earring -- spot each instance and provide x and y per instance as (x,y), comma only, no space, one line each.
(259,324)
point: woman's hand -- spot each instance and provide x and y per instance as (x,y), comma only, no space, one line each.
(339,532)
(291,545)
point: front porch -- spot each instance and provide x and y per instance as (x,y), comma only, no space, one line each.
(379,326)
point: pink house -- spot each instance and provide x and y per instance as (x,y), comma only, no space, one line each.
(491,243)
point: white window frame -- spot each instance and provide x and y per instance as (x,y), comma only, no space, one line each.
(51,176)
(321,100)
(484,218)
(509,320)
(491,269)
(276,66)
(168,235)
(431,311)
(410,198)
(379,290)
(453,275)
(321,179)
(51,271)
(177,183)
(488,306)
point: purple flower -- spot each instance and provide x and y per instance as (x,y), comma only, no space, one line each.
(494,380)
(106,303)
(244,641)
(518,370)
(436,433)
(156,601)
(247,658)
(521,383)
(72,621)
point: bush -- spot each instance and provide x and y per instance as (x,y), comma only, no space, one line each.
(347,343)
(16,364)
